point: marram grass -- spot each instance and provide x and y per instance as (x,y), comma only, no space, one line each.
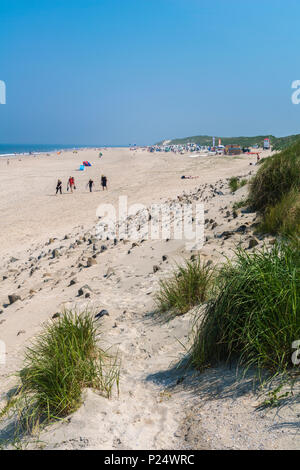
(63,360)
(189,285)
(255,317)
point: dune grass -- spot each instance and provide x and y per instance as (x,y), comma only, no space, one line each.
(235,183)
(255,317)
(276,177)
(189,285)
(62,361)
(275,192)
(284,216)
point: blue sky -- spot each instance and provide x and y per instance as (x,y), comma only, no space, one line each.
(123,71)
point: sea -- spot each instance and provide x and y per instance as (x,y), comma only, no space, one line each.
(7,150)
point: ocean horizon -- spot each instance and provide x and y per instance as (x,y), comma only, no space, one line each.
(7,150)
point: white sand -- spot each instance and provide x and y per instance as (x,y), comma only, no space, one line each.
(153,411)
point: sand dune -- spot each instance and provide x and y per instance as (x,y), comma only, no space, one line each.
(46,241)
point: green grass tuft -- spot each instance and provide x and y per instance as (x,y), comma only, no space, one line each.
(235,183)
(256,315)
(283,217)
(188,286)
(63,360)
(276,177)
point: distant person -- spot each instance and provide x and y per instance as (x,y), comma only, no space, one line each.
(100,154)
(59,187)
(103,182)
(90,185)
(7,161)
(71,184)
(257,158)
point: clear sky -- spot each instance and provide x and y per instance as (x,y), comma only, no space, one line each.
(121,71)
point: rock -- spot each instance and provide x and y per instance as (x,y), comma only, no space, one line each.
(156,268)
(55,254)
(83,290)
(72,282)
(56,315)
(13,260)
(91,262)
(103,248)
(21,332)
(225,235)
(241,229)
(247,210)
(164,257)
(234,214)
(13,298)
(110,272)
(252,243)
(102,313)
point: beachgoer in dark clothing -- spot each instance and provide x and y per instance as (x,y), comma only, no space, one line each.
(103,182)
(90,185)
(59,187)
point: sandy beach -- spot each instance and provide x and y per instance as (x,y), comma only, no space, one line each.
(46,241)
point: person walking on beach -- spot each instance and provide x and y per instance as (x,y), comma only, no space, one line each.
(58,187)
(90,185)
(71,184)
(103,182)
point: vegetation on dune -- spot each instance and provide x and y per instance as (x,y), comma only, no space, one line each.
(275,190)
(236,183)
(63,360)
(255,317)
(283,217)
(188,286)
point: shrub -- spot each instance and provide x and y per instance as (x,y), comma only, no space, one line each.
(284,217)
(239,204)
(62,361)
(233,183)
(276,177)
(189,285)
(255,317)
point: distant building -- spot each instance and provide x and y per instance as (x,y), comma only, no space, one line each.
(233,149)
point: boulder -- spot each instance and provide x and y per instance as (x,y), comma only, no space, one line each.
(252,243)
(13,298)
(90,262)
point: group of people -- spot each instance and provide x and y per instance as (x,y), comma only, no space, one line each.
(71,184)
